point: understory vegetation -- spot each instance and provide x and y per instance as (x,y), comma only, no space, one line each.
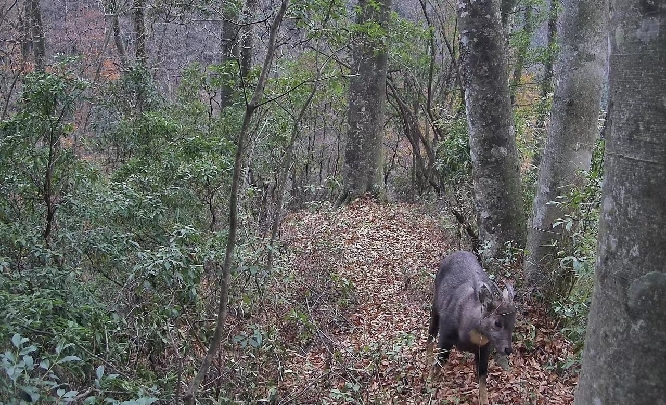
(113,226)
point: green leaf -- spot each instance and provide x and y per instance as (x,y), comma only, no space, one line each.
(30,392)
(27,350)
(17,340)
(70,394)
(99,372)
(67,359)
(140,401)
(90,400)
(240,340)
(256,339)
(10,357)
(11,373)
(29,362)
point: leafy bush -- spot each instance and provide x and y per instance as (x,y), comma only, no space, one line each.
(34,380)
(454,162)
(578,253)
(35,376)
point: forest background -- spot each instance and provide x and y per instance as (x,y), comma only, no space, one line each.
(131,221)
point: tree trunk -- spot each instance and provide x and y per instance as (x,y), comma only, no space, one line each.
(190,395)
(140,53)
(551,34)
(39,44)
(32,35)
(26,31)
(229,50)
(247,38)
(424,167)
(580,72)
(507,7)
(117,34)
(625,345)
(283,173)
(489,117)
(521,53)
(362,171)
(140,32)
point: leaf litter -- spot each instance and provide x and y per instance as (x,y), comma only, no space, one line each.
(351,313)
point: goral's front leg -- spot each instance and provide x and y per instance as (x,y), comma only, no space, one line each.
(483,393)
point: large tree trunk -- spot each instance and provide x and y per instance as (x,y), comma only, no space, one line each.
(362,171)
(580,72)
(491,132)
(507,7)
(113,11)
(26,31)
(140,52)
(39,44)
(247,38)
(625,345)
(140,33)
(32,35)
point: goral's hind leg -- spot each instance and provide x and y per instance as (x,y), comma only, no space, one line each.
(444,346)
(433,329)
(445,342)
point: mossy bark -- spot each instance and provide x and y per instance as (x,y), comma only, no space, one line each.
(580,72)
(625,344)
(362,171)
(490,122)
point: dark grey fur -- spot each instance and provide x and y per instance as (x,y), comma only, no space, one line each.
(466,301)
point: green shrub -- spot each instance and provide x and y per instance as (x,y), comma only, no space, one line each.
(578,254)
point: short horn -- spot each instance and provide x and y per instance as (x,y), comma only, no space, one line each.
(508,293)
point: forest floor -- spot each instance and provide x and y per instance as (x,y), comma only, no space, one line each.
(362,277)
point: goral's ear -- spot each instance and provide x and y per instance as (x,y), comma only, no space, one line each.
(508,294)
(486,298)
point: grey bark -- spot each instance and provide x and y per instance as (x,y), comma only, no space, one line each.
(547,79)
(33,34)
(39,48)
(139,9)
(140,51)
(247,38)
(118,40)
(237,44)
(521,53)
(489,117)
(580,73)
(230,51)
(26,32)
(507,7)
(362,172)
(113,13)
(551,34)
(625,345)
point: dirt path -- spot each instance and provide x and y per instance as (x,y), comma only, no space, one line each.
(360,334)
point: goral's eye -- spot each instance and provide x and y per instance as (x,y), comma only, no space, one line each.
(498,323)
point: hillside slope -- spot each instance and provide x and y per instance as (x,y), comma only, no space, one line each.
(354,312)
